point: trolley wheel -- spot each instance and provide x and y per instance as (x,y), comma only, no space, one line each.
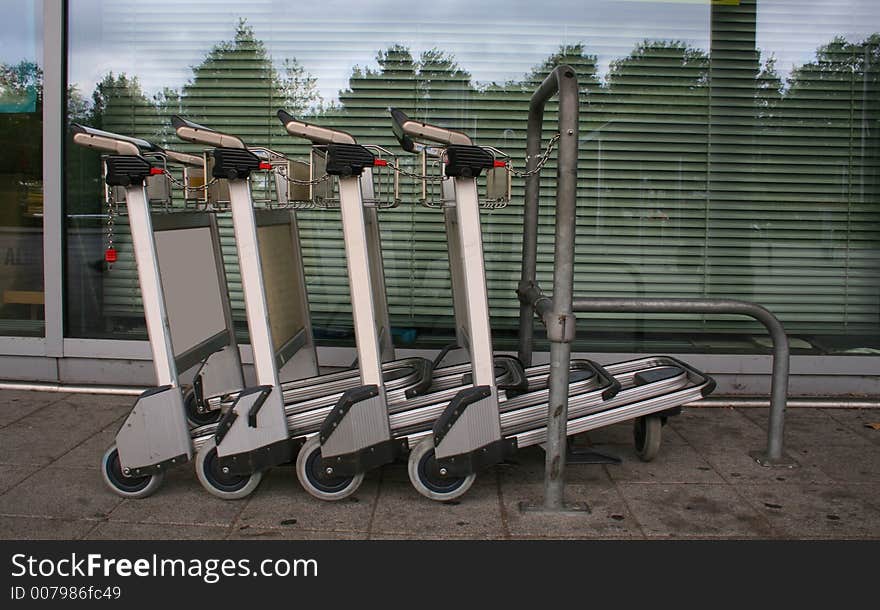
(126,486)
(315,479)
(198,415)
(222,484)
(424,473)
(647,433)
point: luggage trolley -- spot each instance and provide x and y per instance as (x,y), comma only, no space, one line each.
(185,308)
(655,386)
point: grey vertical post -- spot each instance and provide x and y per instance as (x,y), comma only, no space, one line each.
(530,229)
(560,322)
(53,171)
(563,285)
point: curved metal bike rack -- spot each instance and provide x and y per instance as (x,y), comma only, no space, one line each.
(557,311)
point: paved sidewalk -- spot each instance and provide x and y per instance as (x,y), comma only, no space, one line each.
(703,485)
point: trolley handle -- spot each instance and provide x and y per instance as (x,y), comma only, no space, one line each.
(112,143)
(183,158)
(314,133)
(407,130)
(193,132)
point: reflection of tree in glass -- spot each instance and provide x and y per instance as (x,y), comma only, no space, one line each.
(834,102)
(434,83)
(20,86)
(21,103)
(823,178)
(120,105)
(236,87)
(643,148)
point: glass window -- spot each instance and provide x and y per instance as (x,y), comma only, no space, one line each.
(727,149)
(21,169)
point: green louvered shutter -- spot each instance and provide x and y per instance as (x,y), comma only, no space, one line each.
(703,172)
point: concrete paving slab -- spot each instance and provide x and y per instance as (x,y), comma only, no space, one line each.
(608,515)
(423,537)
(527,466)
(674,464)
(736,466)
(712,428)
(11,475)
(180,500)
(809,427)
(114,530)
(258,533)
(693,511)
(858,420)
(88,454)
(282,503)
(102,401)
(869,492)
(67,493)
(811,511)
(16,404)
(401,510)
(847,463)
(41,528)
(51,432)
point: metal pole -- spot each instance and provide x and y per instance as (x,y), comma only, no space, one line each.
(530,228)
(779,382)
(562,80)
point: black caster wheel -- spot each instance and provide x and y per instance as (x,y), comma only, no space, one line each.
(199,415)
(316,480)
(222,484)
(426,477)
(124,485)
(647,434)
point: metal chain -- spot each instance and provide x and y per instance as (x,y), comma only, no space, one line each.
(542,160)
(404,172)
(183,185)
(111,220)
(297,182)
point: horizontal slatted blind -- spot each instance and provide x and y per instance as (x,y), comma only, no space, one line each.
(704,170)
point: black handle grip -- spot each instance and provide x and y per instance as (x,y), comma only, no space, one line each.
(606,379)
(126,170)
(398,118)
(426,378)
